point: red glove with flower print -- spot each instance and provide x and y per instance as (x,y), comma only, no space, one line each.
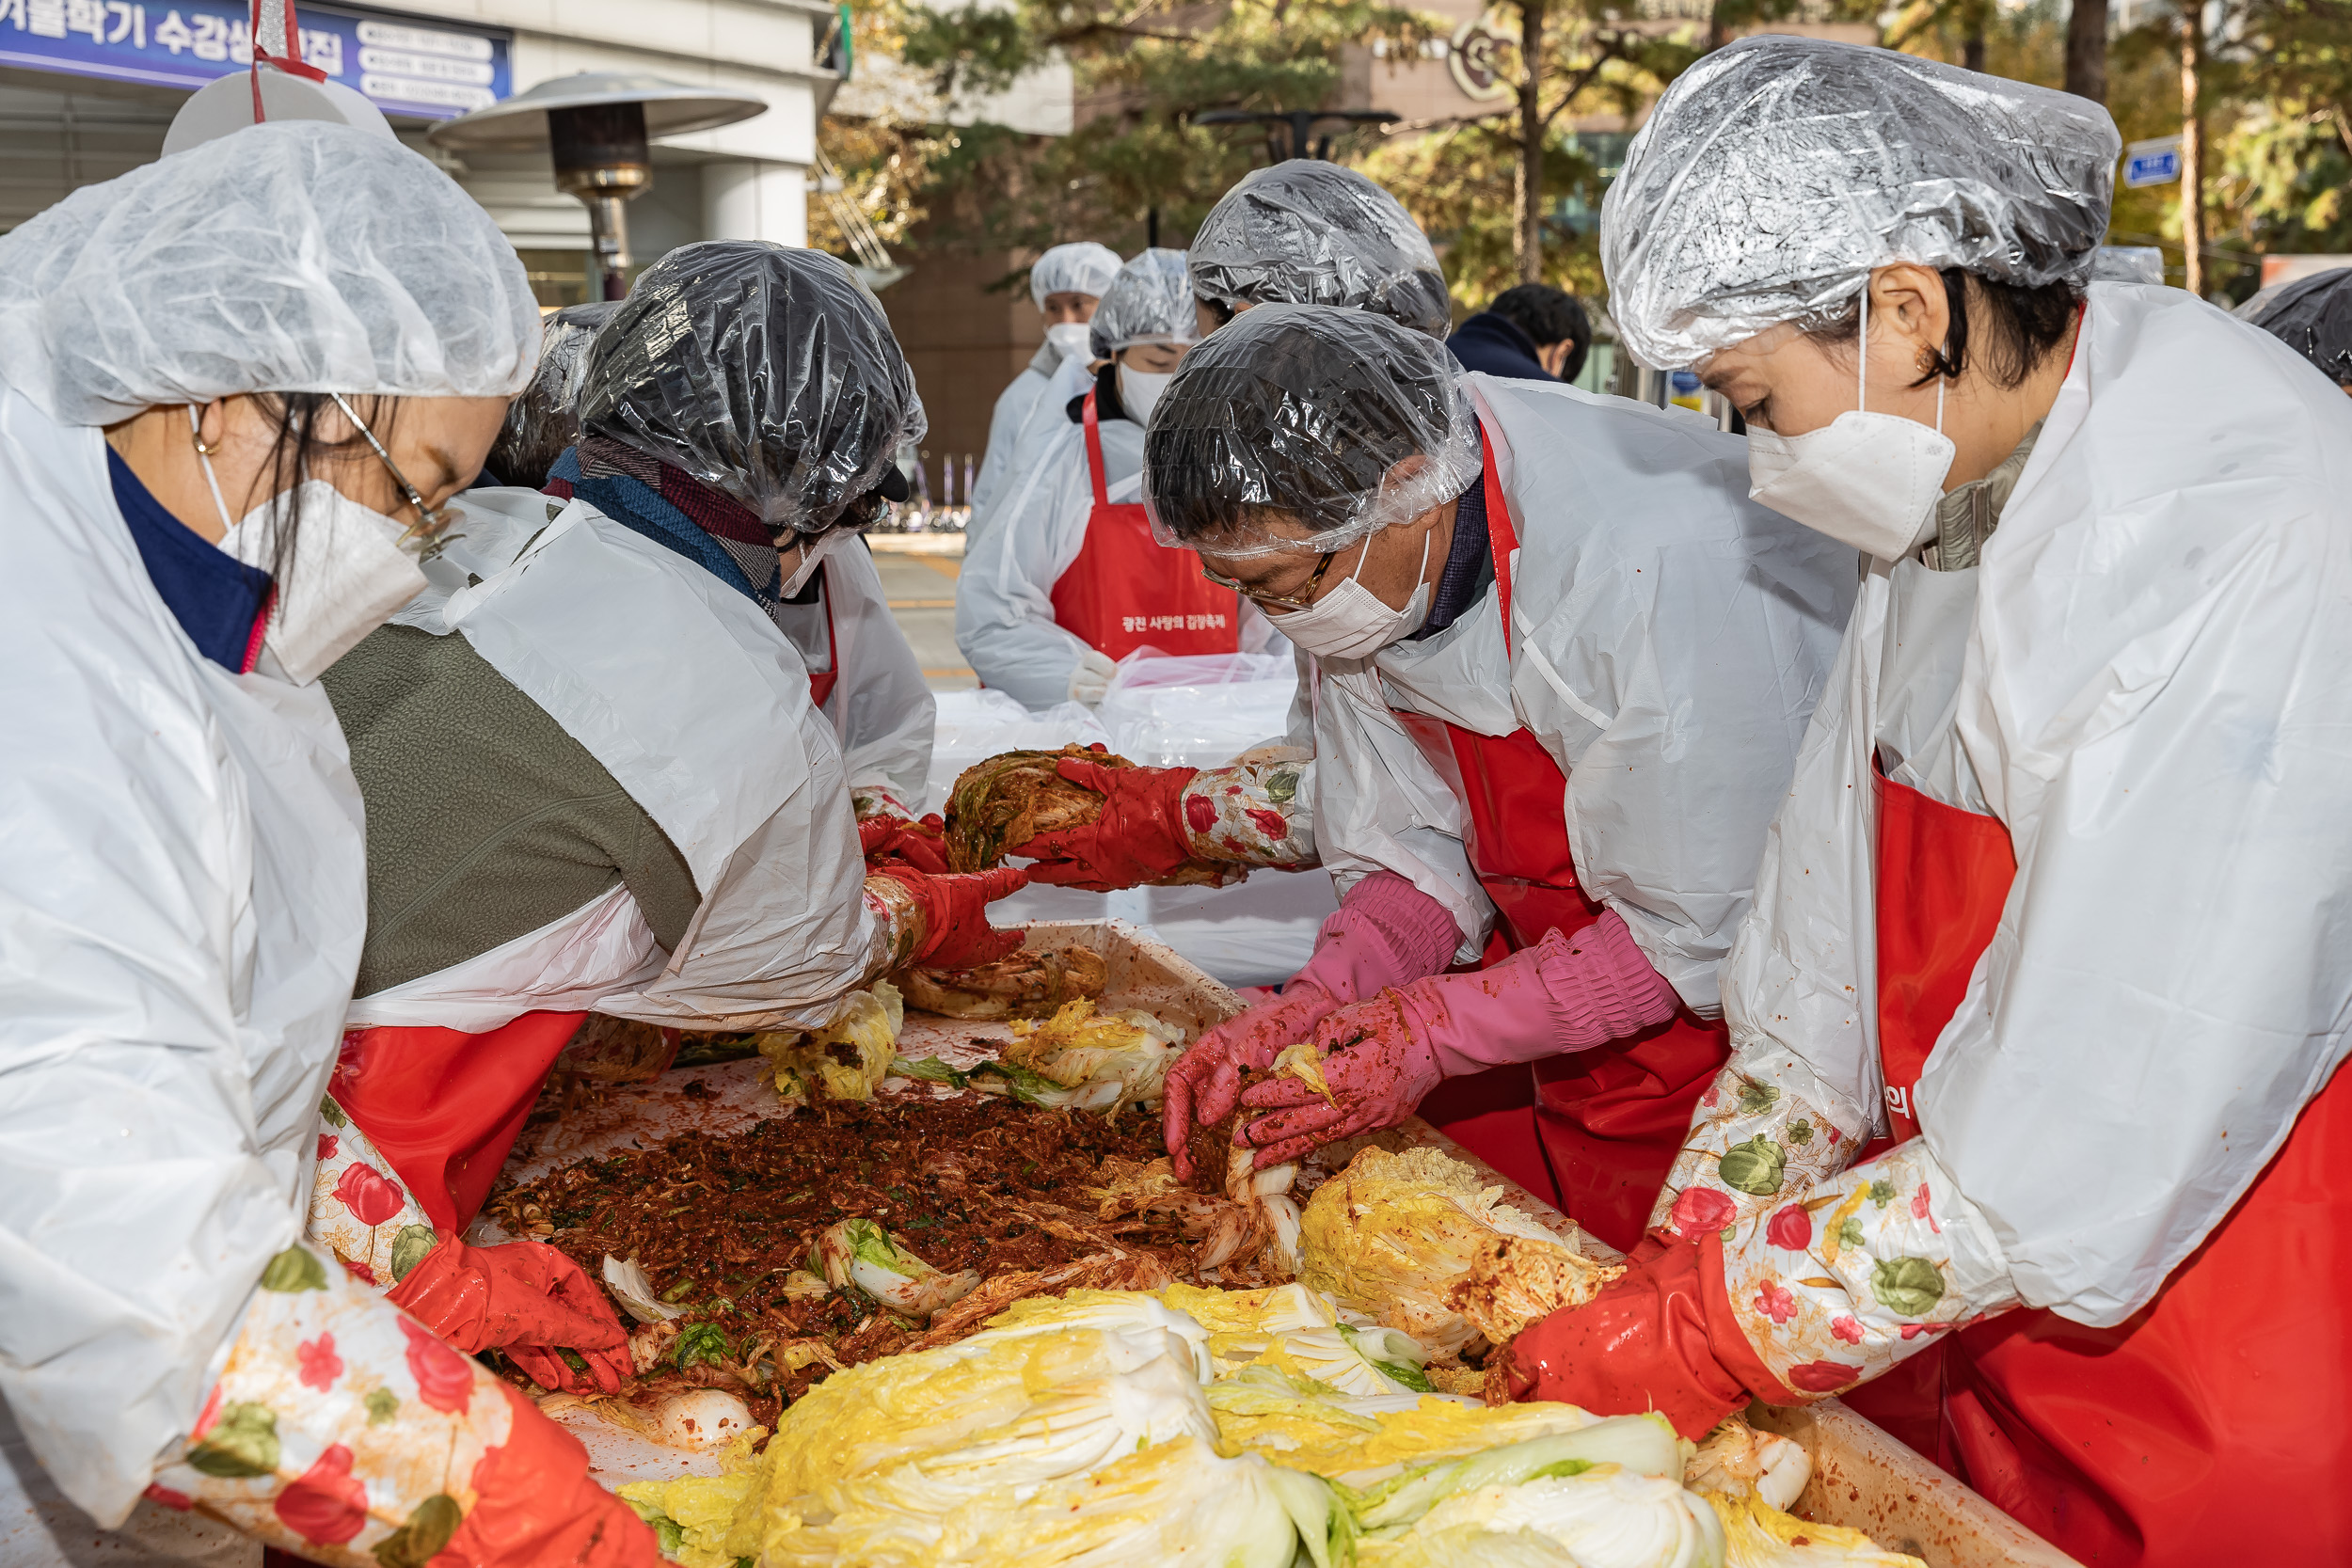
(1140,838)
(1648,1341)
(524,1298)
(956,932)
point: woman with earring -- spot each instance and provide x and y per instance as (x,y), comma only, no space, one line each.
(237,388)
(2031,1135)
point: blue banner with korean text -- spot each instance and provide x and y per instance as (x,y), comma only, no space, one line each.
(423,69)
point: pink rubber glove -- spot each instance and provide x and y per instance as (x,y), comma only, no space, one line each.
(1387,931)
(1381,1057)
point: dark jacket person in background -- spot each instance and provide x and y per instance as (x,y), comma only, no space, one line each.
(1533,332)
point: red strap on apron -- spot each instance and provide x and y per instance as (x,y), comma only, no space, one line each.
(820,682)
(1609,1121)
(1948,872)
(1125,591)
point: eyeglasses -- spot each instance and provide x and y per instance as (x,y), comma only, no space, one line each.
(1304,599)
(431,522)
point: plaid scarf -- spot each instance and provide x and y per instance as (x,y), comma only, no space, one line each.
(672,508)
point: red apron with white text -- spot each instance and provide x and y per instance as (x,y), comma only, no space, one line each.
(1126,590)
(444,1107)
(2207,1429)
(1607,1122)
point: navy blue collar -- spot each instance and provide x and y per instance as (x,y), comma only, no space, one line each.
(1469,564)
(217,599)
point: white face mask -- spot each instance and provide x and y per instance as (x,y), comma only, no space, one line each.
(1068,339)
(1867,480)
(349,574)
(1353,621)
(1139,389)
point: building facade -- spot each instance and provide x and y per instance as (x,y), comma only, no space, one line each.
(88,87)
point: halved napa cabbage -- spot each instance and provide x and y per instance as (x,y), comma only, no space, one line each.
(849,1057)
(1393,1234)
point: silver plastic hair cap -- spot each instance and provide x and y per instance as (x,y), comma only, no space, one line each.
(1149,301)
(1776,173)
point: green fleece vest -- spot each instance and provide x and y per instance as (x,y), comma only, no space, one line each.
(485,820)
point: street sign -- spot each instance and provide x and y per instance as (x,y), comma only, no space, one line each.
(426,68)
(2156,162)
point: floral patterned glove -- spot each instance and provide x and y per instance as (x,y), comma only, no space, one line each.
(345,1431)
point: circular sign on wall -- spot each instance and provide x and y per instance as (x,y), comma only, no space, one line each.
(1473,57)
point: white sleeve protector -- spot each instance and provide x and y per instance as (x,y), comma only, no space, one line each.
(184,897)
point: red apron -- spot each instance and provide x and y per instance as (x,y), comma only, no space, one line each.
(1126,590)
(443,1106)
(2209,1427)
(1606,1123)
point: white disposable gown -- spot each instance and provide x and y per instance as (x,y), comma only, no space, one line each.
(1669,641)
(1042,420)
(880,708)
(1004,596)
(709,725)
(184,895)
(1014,406)
(2144,682)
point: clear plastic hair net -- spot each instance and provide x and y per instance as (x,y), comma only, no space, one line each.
(297,255)
(2311,316)
(769,373)
(540,422)
(1774,174)
(1299,412)
(1149,301)
(1081,268)
(1306,232)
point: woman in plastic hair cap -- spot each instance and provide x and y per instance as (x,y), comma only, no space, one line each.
(1306,232)
(1066,580)
(1555,627)
(2038,1011)
(647,702)
(238,389)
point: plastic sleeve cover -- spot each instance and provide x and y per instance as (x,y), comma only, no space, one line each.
(1777,172)
(1251,814)
(295,255)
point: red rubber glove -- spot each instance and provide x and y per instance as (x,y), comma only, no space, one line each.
(534,1506)
(1377,1060)
(896,840)
(524,1298)
(1140,837)
(1648,1341)
(1205,1084)
(956,932)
